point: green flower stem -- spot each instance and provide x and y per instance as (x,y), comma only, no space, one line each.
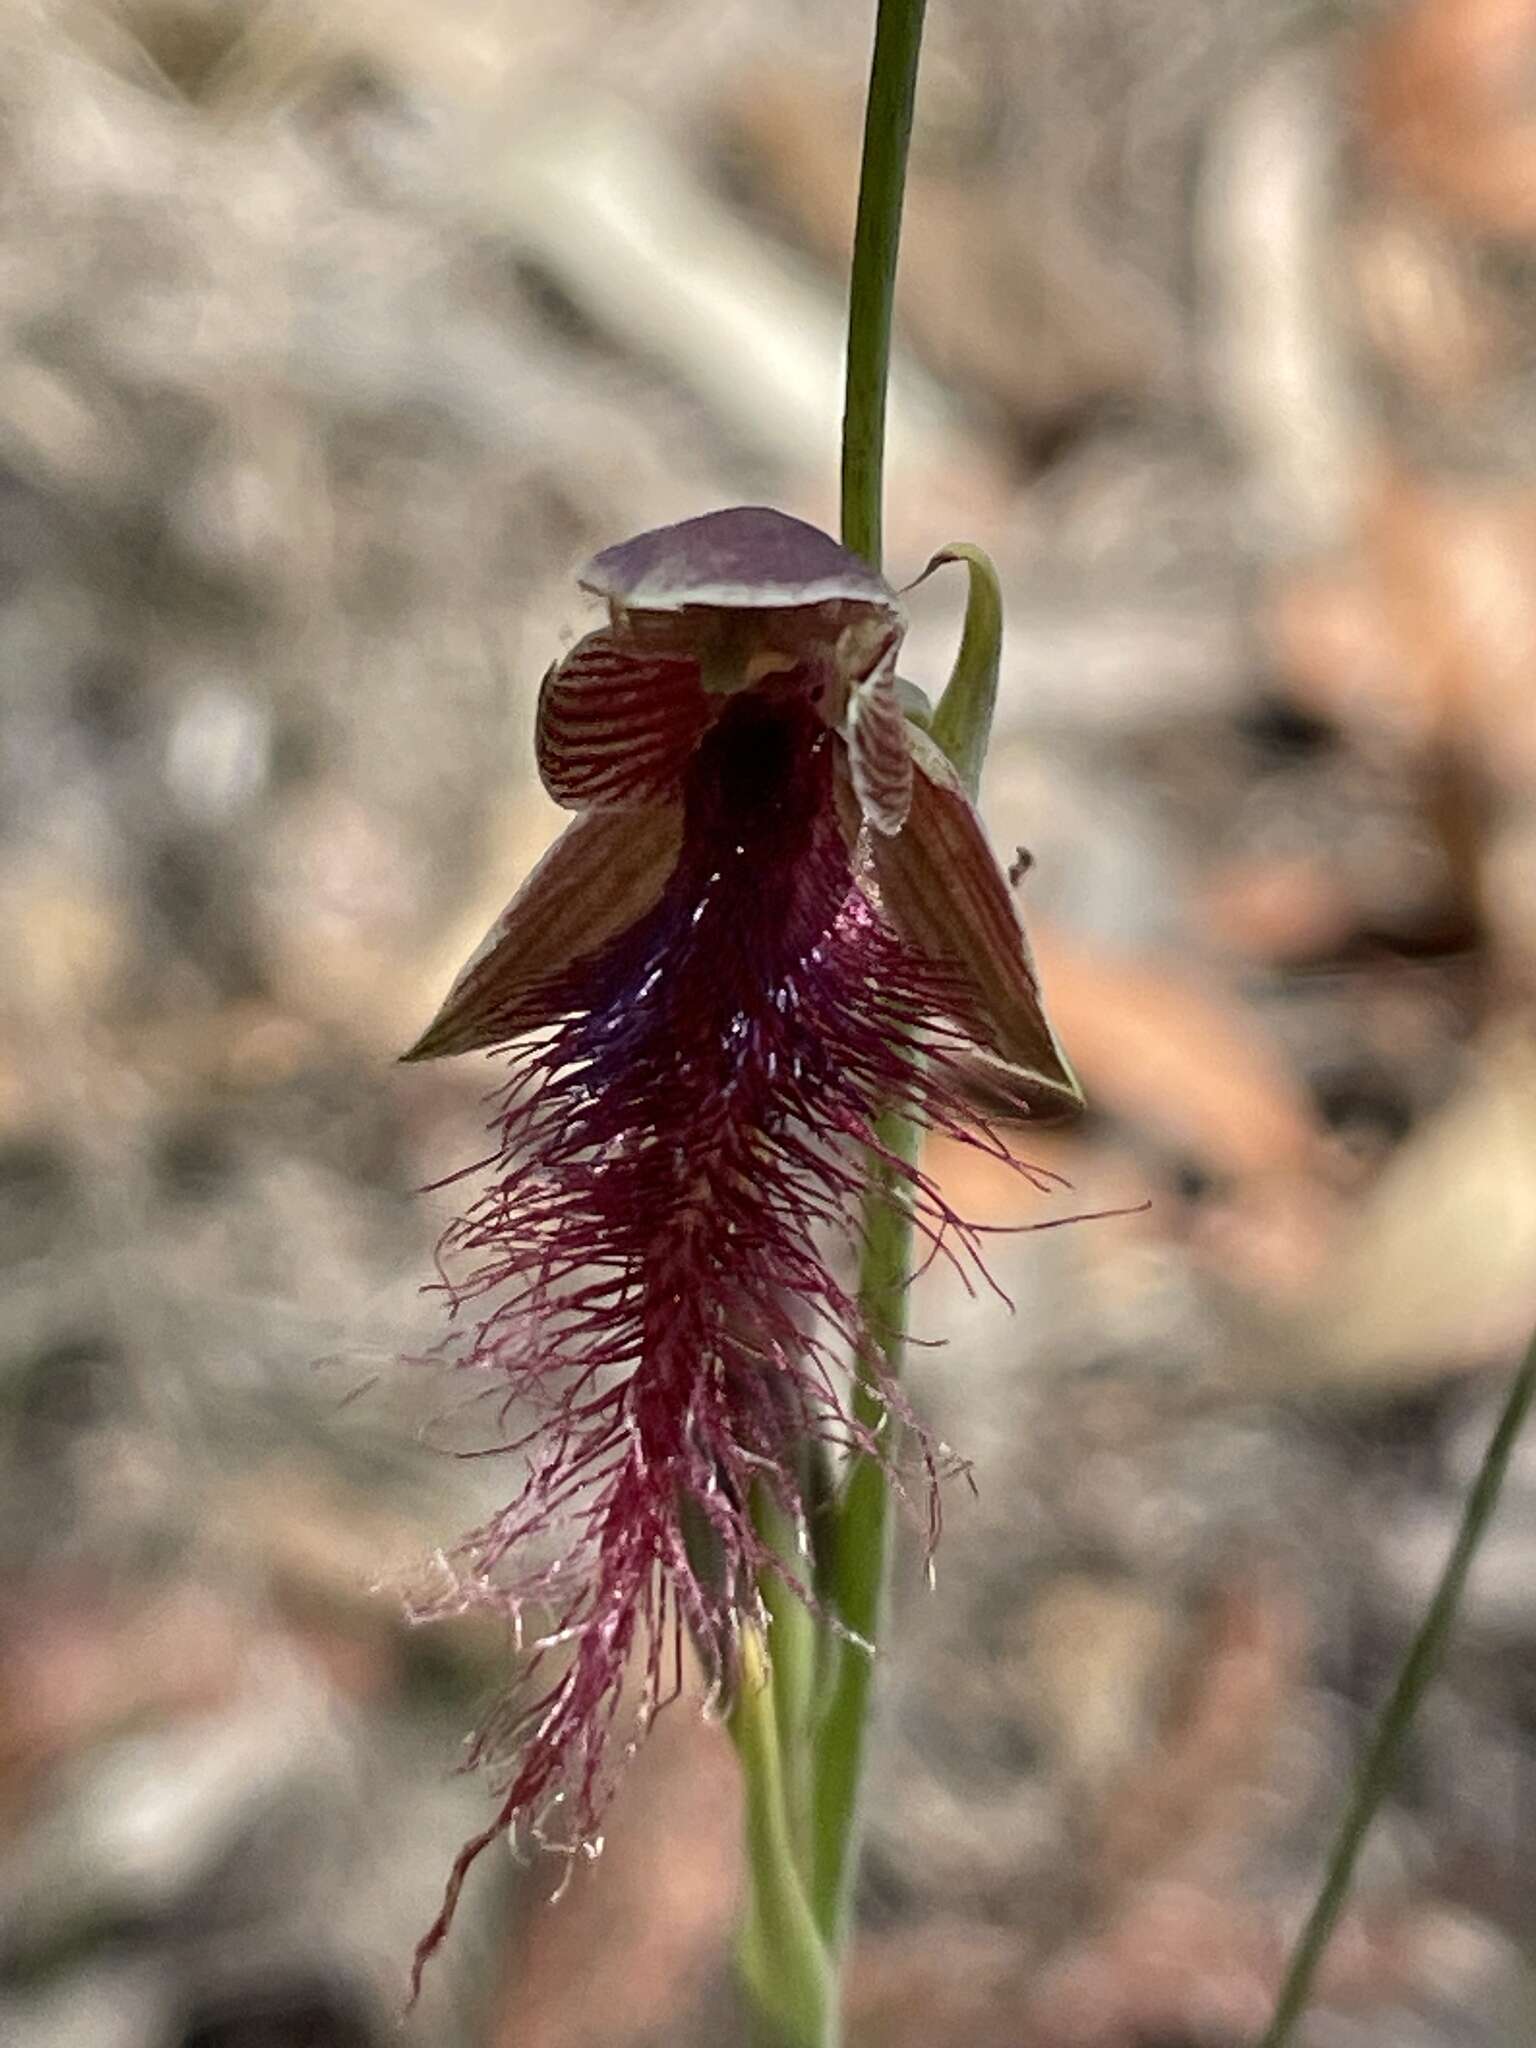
(793,1656)
(790,1946)
(783,1960)
(858,1564)
(855,1568)
(872,287)
(1397,1716)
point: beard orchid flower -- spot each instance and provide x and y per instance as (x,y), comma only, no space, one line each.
(773,917)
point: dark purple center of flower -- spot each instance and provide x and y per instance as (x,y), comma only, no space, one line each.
(710,988)
(762,852)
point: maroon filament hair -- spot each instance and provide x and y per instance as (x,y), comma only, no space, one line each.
(645,1280)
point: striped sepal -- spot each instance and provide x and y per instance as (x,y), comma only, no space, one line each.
(604,872)
(617,725)
(879,756)
(941,887)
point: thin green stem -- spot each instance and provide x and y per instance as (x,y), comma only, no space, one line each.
(859,1537)
(793,1663)
(784,1962)
(872,287)
(1397,1716)
(858,1565)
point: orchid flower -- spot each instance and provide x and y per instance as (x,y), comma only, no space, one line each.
(774,916)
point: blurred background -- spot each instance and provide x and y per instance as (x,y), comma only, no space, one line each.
(332,338)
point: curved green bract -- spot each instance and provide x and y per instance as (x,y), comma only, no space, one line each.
(962,721)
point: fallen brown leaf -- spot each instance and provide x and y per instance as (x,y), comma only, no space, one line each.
(1447,105)
(1426,631)
(1281,909)
(1172,1052)
(1438,1268)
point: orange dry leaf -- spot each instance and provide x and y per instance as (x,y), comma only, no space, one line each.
(1427,630)
(1448,102)
(1437,1269)
(1281,909)
(74,1668)
(1171,1052)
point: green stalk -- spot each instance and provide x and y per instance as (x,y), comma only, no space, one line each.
(783,1960)
(858,1564)
(1397,1716)
(872,286)
(856,1570)
(793,1658)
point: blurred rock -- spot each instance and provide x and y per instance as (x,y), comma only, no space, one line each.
(117,2006)
(1436,1268)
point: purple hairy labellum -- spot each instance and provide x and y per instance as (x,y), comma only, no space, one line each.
(773,917)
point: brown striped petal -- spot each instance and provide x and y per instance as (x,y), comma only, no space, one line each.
(617,723)
(942,888)
(879,757)
(604,872)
